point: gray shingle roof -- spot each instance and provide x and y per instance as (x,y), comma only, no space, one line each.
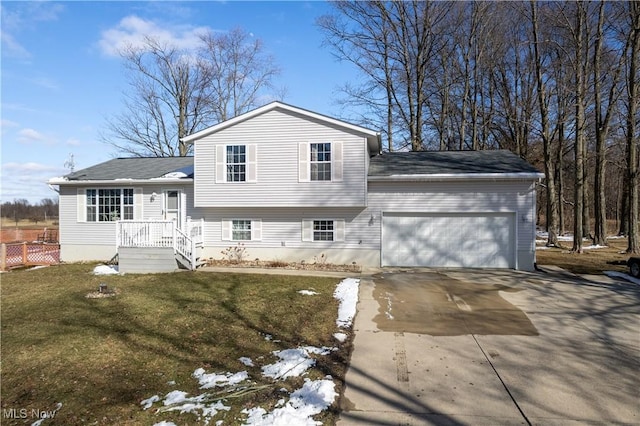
(135,168)
(448,162)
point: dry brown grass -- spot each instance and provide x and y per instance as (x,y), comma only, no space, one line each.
(592,261)
(101,357)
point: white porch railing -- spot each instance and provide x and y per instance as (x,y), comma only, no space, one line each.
(162,233)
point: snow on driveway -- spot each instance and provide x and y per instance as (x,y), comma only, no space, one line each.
(311,399)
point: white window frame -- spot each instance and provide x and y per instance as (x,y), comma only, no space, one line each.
(317,161)
(250,163)
(305,155)
(84,207)
(309,231)
(255,228)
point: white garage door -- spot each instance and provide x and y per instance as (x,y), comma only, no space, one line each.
(481,240)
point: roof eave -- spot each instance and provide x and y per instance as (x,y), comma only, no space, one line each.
(437,177)
(119,182)
(271,106)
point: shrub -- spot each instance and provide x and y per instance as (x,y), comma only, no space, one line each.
(235,254)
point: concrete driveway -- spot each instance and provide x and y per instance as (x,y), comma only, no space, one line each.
(451,347)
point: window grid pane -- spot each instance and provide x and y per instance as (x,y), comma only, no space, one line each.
(241,230)
(91,205)
(320,161)
(236,163)
(322,230)
(108,205)
(127,204)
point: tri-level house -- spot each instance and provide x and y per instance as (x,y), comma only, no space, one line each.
(293,185)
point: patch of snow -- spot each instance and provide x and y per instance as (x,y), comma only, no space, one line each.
(308,292)
(318,351)
(165,423)
(314,397)
(622,275)
(47,415)
(591,247)
(340,337)
(57,179)
(347,294)
(175,397)
(293,363)
(147,403)
(542,248)
(246,361)
(543,235)
(208,381)
(178,401)
(38,267)
(268,337)
(171,383)
(175,175)
(105,270)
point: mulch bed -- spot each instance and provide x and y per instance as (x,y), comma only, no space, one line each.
(278,264)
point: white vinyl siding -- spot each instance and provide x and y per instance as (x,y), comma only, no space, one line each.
(100,237)
(282,158)
(236,163)
(241,230)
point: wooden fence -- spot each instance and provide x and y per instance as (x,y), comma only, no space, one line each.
(28,254)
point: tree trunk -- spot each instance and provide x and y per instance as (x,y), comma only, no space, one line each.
(549,169)
(579,131)
(632,137)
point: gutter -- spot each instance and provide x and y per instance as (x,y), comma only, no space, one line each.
(437,177)
(119,181)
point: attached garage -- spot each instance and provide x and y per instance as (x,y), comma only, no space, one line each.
(460,240)
(454,209)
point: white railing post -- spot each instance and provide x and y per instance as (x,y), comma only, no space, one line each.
(174,235)
(193,254)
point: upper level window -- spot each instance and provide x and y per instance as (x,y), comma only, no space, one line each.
(320,164)
(236,163)
(108,205)
(240,230)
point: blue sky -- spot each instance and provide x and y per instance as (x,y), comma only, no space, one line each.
(61,79)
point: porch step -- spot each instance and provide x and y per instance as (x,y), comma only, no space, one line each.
(185,264)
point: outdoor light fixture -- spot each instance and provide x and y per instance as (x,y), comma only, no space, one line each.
(153,197)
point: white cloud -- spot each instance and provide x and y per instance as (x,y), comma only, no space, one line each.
(132,31)
(45,82)
(12,47)
(73,142)
(29,167)
(28,180)
(21,16)
(8,124)
(30,135)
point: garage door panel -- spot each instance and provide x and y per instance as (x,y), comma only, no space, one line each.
(449,240)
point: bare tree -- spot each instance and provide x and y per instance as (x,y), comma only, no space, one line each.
(633,139)
(394,44)
(178,91)
(604,109)
(236,69)
(547,139)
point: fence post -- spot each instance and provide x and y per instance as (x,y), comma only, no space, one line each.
(3,256)
(24,252)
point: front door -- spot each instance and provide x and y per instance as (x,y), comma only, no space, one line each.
(172,207)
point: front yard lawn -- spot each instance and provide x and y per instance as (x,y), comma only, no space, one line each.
(97,359)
